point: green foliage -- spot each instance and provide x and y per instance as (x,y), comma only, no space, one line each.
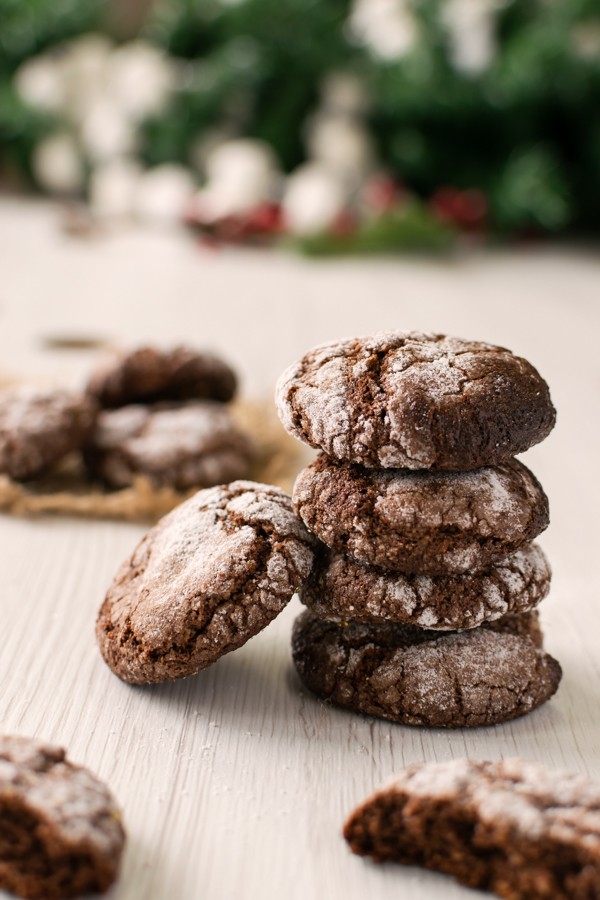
(29,26)
(531,193)
(20,129)
(522,131)
(526,131)
(219,90)
(261,63)
(409,229)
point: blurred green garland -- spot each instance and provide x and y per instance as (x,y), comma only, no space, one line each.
(524,131)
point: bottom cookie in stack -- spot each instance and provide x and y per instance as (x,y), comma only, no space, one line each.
(416,676)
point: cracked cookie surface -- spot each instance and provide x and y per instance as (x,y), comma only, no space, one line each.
(149,375)
(60,830)
(414,400)
(341,589)
(429,523)
(516,828)
(210,575)
(415,676)
(183,445)
(38,427)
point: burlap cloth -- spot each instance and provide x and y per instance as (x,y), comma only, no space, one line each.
(69,491)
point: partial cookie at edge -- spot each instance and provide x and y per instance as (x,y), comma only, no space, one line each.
(60,830)
(513,827)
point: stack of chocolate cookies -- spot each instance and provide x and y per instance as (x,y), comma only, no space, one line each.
(421,602)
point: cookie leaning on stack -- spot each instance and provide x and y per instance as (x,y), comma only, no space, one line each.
(208,577)
(421,604)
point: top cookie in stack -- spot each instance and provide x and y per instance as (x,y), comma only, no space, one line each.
(427,521)
(415,401)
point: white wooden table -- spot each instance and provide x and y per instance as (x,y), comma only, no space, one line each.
(235,784)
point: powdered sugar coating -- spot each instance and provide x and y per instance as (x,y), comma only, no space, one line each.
(415,400)
(342,589)
(206,578)
(409,675)
(150,374)
(38,427)
(435,523)
(183,445)
(514,827)
(76,811)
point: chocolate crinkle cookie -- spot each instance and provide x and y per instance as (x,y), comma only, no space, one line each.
(149,375)
(210,575)
(428,523)
(516,828)
(342,589)
(416,401)
(182,445)
(40,426)
(60,830)
(415,676)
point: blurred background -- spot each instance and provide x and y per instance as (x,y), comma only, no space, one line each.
(166,168)
(333,126)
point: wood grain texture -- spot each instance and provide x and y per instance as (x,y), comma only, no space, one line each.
(236,783)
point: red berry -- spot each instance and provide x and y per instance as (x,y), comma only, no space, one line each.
(266,218)
(381,193)
(344,224)
(466,209)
